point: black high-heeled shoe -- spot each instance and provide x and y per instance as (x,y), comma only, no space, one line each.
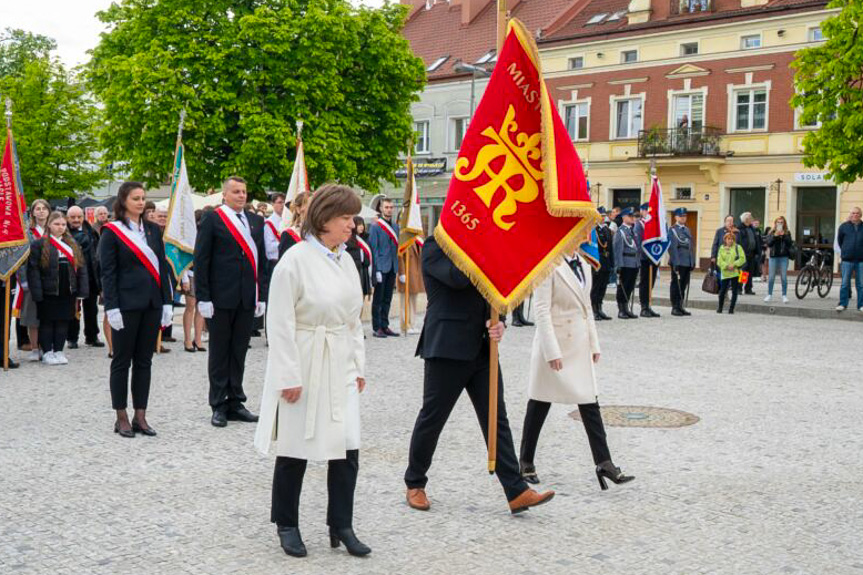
(198,347)
(346,535)
(291,541)
(123,432)
(190,349)
(607,469)
(528,473)
(136,428)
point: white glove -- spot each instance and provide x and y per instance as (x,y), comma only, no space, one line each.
(260,309)
(167,315)
(379,277)
(115,319)
(402,278)
(206,309)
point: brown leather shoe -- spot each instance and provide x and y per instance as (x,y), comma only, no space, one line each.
(417,499)
(529,498)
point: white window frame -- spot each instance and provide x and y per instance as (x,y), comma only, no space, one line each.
(597,19)
(799,127)
(731,127)
(427,138)
(674,93)
(680,46)
(676,198)
(573,57)
(564,104)
(451,132)
(613,100)
(810,34)
(752,35)
(627,51)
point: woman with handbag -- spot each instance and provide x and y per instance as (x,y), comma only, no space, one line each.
(730,259)
(781,246)
(565,351)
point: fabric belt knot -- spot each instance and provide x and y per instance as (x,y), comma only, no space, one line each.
(323,344)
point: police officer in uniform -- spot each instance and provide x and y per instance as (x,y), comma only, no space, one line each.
(648,268)
(681,257)
(626,263)
(605,243)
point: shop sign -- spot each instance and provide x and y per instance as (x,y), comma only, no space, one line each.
(811,177)
(424,168)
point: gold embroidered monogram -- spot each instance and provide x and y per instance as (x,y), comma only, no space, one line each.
(519,177)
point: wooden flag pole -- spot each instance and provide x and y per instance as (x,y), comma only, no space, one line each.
(408,289)
(6,322)
(495,316)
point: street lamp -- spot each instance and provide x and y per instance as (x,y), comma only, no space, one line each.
(475,72)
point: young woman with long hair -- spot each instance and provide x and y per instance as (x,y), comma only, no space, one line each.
(28,315)
(780,246)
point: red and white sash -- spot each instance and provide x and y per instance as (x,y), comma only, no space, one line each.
(64,249)
(243,237)
(294,234)
(273,228)
(18,301)
(388,230)
(37,231)
(139,247)
(366,249)
(420,241)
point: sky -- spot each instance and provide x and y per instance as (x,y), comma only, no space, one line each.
(72,23)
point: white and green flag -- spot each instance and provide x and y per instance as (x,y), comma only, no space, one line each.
(181,230)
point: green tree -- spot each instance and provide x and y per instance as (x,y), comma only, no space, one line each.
(246,71)
(55,121)
(829,86)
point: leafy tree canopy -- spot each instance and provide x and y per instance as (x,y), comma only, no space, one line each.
(55,121)
(829,84)
(246,71)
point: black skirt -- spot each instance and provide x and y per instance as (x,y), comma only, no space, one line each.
(60,307)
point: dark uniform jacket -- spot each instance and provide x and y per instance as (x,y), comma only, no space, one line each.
(46,281)
(126,284)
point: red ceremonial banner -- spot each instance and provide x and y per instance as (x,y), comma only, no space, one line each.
(12,229)
(518,198)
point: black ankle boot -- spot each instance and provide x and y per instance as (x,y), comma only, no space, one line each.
(346,535)
(291,541)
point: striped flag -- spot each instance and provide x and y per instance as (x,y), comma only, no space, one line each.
(411,224)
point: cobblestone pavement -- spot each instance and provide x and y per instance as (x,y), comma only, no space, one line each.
(768,481)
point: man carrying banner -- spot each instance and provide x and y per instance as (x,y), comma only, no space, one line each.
(231,287)
(648,269)
(681,257)
(652,235)
(626,263)
(384,240)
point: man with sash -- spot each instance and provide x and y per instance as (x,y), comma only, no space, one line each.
(384,241)
(231,286)
(681,258)
(272,235)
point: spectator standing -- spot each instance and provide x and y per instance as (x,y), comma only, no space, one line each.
(781,248)
(730,259)
(748,239)
(87,240)
(57,275)
(719,236)
(850,240)
(101,214)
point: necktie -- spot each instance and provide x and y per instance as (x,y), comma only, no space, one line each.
(575,265)
(242,221)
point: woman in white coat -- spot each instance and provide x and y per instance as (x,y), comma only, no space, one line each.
(565,349)
(310,404)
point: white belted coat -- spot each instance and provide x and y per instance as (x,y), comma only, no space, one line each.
(315,341)
(565,330)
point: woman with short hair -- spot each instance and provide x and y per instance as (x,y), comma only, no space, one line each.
(730,260)
(57,276)
(310,405)
(137,290)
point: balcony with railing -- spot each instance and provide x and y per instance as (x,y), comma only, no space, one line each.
(679,142)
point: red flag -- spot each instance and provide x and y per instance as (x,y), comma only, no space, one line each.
(518,198)
(12,231)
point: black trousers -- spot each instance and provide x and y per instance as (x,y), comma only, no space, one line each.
(646,282)
(679,284)
(341,484)
(382,299)
(90,311)
(724,286)
(52,335)
(230,332)
(442,385)
(752,266)
(599,286)
(133,347)
(591,417)
(625,287)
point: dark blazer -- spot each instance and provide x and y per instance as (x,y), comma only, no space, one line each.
(223,274)
(286,242)
(46,281)
(456,313)
(88,239)
(717,241)
(126,283)
(362,262)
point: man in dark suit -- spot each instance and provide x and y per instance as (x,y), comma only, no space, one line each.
(455,346)
(88,240)
(230,285)
(605,243)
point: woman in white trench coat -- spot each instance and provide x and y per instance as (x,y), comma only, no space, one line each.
(310,404)
(565,349)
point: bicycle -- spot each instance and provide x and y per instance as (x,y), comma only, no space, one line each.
(816,275)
